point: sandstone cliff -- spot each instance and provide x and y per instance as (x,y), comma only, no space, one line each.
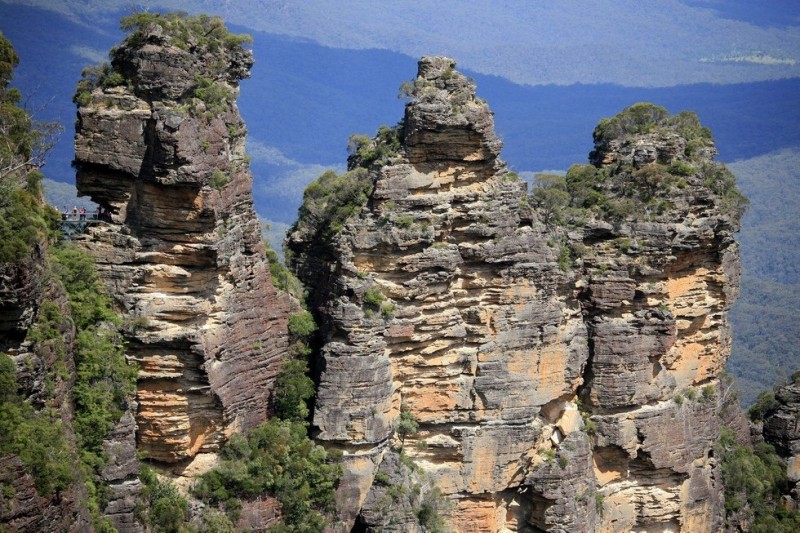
(782,429)
(160,146)
(560,351)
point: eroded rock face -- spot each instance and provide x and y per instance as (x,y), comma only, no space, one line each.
(450,291)
(181,253)
(782,430)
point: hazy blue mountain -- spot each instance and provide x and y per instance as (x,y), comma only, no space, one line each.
(627,42)
(304,100)
(765,327)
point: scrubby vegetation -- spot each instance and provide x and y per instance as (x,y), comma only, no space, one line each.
(293,387)
(197,34)
(102,75)
(187,32)
(160,505)
(754,479)
(331,200)
(104,381)
(282,277)
(407,425)
(365,151)
(36,437)
(644,117)
(618,191)
(24,221)
(278,459)
(216,95)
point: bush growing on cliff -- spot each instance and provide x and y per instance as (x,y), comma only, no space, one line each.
(407,425)
(331,200)
(722,182)
(644,117)
(293,390)
(185,30)
(302,324)
(282,277)
(364,151)
(551,197)
(160,505)
(276,458)
(37,438)
(754,479)
(104,380)
(101,75)
(216,95)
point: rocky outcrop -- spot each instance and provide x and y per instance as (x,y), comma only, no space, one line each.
(782,430)
(39,337)
(20,292)
(181,252)
(559,351)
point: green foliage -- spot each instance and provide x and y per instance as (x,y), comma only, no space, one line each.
(37,438)
(293,390)
(551,197)
(373,297)
(302,324)
(218,179)
(407,425)
(384,146)
(618,192)
(104,380)
(754,479)
(707,393)
(185,31)
(101,75)
(644,117)
(87,297)
(764,405)
(331,200)
(160,505)
(430,510)
(215,94)
(24,142)
(679,168)
(722,182)
(387,309)
(24,221)
(8,62)
(564,257)
(404,221)
(383,479)
(276,458)
(283,278)
(599,499)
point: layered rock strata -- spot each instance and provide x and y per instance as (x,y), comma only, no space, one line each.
(782,430)
(563,375)
(180,251)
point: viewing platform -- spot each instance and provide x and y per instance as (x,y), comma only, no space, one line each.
(76,224)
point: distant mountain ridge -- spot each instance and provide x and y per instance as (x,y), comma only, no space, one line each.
(624,42)
(327,94)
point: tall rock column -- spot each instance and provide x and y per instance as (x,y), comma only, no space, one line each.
(160,146)
(559,350)
(443,294)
